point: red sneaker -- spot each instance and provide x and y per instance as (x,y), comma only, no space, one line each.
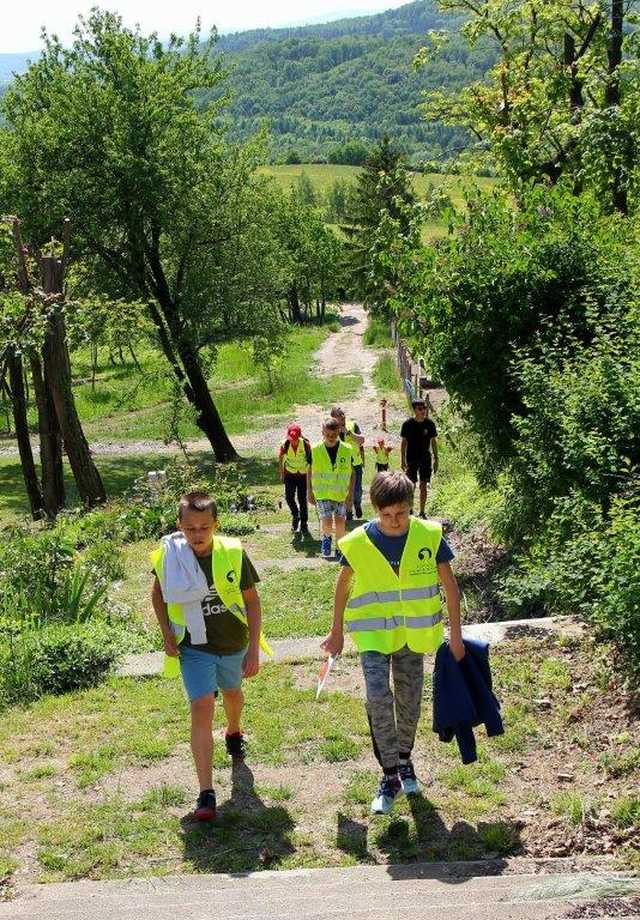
(205,809)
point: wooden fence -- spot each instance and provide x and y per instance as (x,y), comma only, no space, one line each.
(411,369)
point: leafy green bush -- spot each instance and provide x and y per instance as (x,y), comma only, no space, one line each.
(57,659)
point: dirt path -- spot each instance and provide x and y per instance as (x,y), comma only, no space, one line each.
(343,352)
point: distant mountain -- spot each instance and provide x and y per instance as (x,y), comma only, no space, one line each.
(323,87)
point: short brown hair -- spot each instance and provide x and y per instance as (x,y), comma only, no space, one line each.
(391,487)
(330,423)
(197,501)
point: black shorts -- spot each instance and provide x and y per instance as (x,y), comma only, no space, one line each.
(382,467)
(421,468)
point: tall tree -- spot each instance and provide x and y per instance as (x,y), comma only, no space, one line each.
(560,100)
(108,132)
(383,206)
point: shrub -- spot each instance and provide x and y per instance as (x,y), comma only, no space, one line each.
(57,659)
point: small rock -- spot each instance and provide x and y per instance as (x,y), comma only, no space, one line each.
(566,777)
(542,703)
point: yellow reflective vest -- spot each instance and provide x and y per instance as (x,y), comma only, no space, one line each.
(295,461)
(381,454)
(386,611)
(330,482)
(226,568)
(350,426)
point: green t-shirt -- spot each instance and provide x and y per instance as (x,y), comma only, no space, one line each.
(226,633)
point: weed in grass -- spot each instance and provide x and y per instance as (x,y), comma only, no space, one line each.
(385,374)
(621,764)
(8,866)
(554,674)
(569,805)
(350,837)
(520,729)
(478,781)
(361,787)
(339,747)
(164,796)
(626,811)
(92,765)
(39,772)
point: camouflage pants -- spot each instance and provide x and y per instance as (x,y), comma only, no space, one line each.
(393,722)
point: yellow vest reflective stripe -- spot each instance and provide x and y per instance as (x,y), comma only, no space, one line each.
(386,611)
(226,569)
(296,461)
(330,482)
(350,426)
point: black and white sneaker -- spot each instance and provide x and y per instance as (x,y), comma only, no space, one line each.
(389,790)
(408,778)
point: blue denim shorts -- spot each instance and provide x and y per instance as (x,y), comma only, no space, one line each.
(204,673)
(327,508)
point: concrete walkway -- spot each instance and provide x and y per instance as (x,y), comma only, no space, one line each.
(308,647)
(411,892)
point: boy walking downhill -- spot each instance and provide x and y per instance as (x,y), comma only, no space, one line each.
(330,483)
(388,598)
(419,441)
(350,433)
(206,603)
(293,462)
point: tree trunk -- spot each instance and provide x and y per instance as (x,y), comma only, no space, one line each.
(294,304)
(208,418)
(19,403)
(185,363)
(50,442)
(58,378)
(612,98)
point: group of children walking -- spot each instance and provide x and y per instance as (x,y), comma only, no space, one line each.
(387,597)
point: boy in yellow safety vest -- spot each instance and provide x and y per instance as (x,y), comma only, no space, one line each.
(330,485)
(381,453)
(350,433)
(388,597)
(208,609)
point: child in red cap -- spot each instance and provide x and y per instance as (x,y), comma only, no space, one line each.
(294,459)
(381,452)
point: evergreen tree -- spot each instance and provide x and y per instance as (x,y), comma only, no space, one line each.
(384,207)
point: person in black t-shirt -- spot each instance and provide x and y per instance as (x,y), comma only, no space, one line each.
(419,441)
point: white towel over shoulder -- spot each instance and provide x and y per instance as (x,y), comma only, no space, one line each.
(183,583)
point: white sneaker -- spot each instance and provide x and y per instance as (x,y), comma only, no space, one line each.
(389,790)
(408,779)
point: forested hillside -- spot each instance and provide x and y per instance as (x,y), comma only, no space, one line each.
(322,86)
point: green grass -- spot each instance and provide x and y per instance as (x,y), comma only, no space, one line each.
(298,603)
(378,333)
(570,805)
(385,374)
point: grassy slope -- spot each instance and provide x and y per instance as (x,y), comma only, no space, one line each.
(112,783)
(323,176)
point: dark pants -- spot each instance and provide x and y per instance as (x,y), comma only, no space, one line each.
(295,484)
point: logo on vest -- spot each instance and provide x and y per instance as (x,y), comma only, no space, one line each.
(230,576)
(425,556)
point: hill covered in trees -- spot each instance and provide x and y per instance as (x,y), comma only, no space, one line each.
(322,86)
(328,92)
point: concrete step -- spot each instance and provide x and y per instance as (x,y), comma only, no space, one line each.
(417,892)
(308,647)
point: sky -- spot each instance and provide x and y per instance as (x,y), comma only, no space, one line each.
(21,22)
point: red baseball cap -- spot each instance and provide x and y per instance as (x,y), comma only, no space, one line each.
(294,431)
